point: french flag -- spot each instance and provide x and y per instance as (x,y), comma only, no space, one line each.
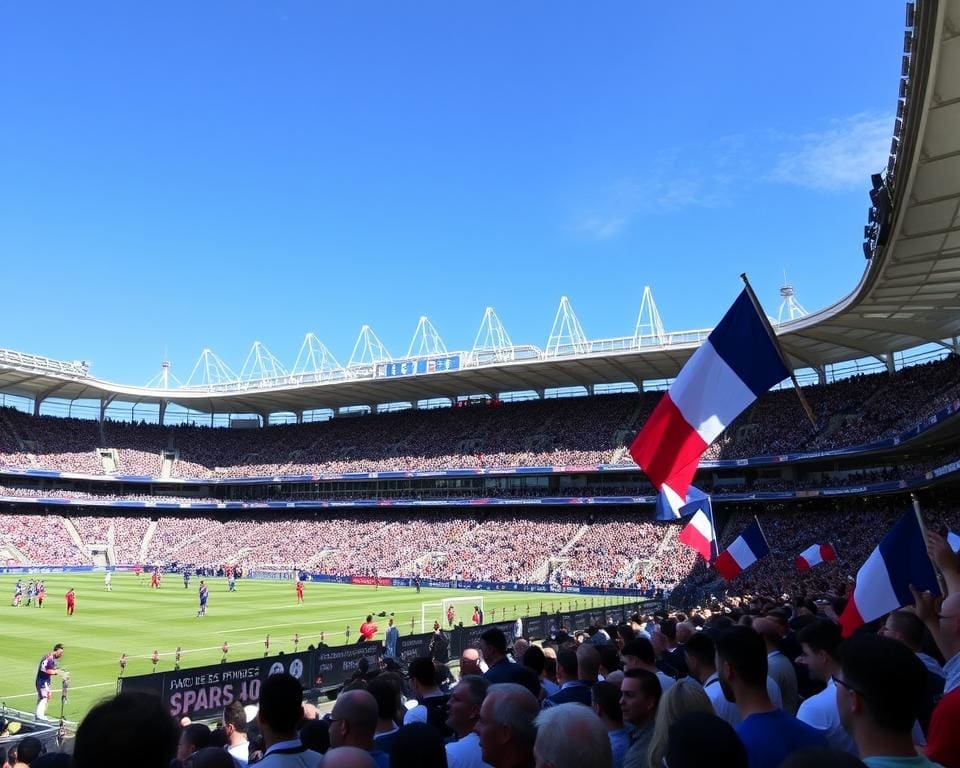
(883,581)
(700,533)
(818,553)
(748,547)
(737,363)
(671,507)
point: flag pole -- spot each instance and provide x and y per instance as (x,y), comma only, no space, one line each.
(923,531)
(760,528)
(776,344)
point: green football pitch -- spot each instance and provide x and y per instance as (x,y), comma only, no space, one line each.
(134,620)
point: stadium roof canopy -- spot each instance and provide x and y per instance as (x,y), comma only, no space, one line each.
(909,294)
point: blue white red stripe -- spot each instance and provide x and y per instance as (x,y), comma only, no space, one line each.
(818,553)
(672,507)
(746,549)
(883,581)
(735,365)
(700,533)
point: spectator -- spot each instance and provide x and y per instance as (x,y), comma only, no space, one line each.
(681,699)
(470,662)
(768,733)
(907,628)
(279,715)
(386,691)
(353,723)
(606,704)
(418,745)
(128,729)
(506,728)
(571,736)
(29,749)
(432,702)
(639,654)
(493,646)
(640,694)
(348,757)
(700,739)
(235,728)
(880,689)
(572,689)
(820,643)
(194,737)
(779,667)
(464,707)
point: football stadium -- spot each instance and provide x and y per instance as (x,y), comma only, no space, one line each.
(605,498)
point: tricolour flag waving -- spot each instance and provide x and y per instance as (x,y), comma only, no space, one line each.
(818,553)
(883,581)
(746,549)
(669,507)
(700,533)
(737,363)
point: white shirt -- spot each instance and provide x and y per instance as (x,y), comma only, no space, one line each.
(465,753)
(419,713)
(240,753)
(820,712)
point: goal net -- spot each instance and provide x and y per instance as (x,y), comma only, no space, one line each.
(463,608)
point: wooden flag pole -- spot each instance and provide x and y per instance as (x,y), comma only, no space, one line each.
(776,343)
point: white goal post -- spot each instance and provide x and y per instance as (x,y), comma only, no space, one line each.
(437,611)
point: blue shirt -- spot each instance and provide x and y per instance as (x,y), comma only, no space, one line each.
(771,736)
(619,744)
(951,671)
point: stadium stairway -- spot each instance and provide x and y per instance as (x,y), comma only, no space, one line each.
(539,574)
(75,535)
(145,544)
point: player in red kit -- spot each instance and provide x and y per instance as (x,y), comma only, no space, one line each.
(71,601)
(450,615)
(155,579)
(299,591)
(367,630)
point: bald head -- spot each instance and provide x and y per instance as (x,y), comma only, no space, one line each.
(470,662)
(354,720)
(685,630)
(348,757)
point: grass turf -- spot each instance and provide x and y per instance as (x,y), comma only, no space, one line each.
(134,619)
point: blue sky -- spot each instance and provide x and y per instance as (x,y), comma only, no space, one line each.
(209,174)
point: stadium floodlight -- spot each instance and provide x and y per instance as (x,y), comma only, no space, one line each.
(877,180)
(905,66)
(426,341)
(162,380)
(566,335)
(910,16)
(867,250)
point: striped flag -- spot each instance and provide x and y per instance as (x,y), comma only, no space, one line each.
(883,581)
(818,553)
(737,363)
(700,533)
(747,548)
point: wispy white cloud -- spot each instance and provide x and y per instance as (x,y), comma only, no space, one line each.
(839,156)
(842,156)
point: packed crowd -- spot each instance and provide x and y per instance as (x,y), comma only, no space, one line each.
(615,548)
(761,681)
(557,432)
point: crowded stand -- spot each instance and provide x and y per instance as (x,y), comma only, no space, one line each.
(555,432)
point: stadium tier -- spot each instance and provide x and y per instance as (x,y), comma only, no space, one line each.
(584,431)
